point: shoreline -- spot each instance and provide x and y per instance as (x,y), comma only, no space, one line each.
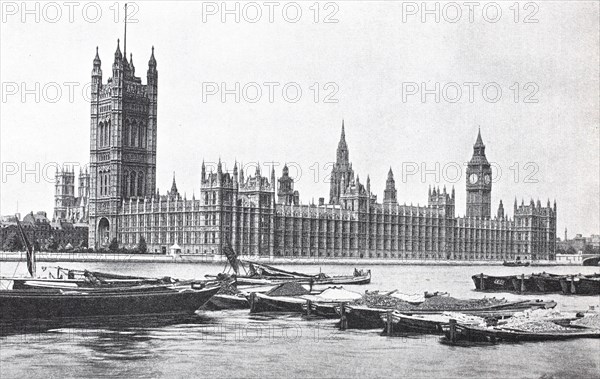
(194,259)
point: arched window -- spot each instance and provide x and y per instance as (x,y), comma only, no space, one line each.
(142,138)
(101,184)
(134,132)
(108,133)
(140,187)
(99,134)
(132,182)
(125,184)
(126,134)
(106,182)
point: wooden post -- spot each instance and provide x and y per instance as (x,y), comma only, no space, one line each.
(343,319)
(573,289)
(308,307)
(452,330)
(389,323)
(252,301)
(522,283)
(481,282)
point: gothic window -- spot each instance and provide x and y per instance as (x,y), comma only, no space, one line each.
(140,187)
(99,132)
(141,137)
(101,184)
(125,184)
(108,133)
(126,134)
(132,183)
(134,132)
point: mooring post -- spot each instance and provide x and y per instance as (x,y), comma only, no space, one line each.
(573,289)
(252,301)
(452,330)
(343,319)
(522,283)
(389,323)
(308,307)
(481,282)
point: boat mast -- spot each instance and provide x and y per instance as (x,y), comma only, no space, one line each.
(30,254)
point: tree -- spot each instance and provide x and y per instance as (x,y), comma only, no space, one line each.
(142,248)
(36,246)
(13,243)
(571,250)
(114,245)
(53,244)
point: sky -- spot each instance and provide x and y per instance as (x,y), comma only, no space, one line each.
(412,90)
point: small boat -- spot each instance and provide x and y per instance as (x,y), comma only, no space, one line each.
(473,333)
(493,283)
(323,304)
(517,263)
(262,274)
(61,303)
(360,317)
(91,296)
(397,322)
(283,298)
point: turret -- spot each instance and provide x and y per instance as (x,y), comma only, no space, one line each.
(500,210)
(390,193)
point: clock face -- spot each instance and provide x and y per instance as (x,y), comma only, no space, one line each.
(473,178)
(487,179)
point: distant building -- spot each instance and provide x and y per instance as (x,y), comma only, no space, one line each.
(42,233)
(67,206)
(259,219)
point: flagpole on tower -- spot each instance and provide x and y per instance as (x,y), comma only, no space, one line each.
(125,36)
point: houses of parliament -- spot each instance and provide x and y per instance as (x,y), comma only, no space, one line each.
(259,215)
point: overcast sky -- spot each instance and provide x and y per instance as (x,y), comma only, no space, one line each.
(372,67)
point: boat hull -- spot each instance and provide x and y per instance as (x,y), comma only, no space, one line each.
(260,303)
(221,302)
(474,334)
(15,304)
(547,284)
(493,283)
(363,317)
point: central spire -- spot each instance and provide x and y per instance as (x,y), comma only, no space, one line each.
(125,35)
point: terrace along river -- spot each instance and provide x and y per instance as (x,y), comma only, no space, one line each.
(236,344)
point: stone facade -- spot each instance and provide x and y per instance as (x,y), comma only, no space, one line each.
(67,206)
(259,219)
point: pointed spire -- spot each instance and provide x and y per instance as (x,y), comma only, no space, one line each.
(479,141)
(173,186)
(152,61)
(97,61)
(118,54)
(390,174)
(131,63)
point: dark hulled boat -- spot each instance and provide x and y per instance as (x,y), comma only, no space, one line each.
(482,334)
(580,284)
(517,263)
(98,295)
(548,283)
(493,283)
(226,301)
(59,303)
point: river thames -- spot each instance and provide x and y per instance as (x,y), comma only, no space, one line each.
(237,344)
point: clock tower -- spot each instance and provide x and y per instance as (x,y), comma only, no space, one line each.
(479,182)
